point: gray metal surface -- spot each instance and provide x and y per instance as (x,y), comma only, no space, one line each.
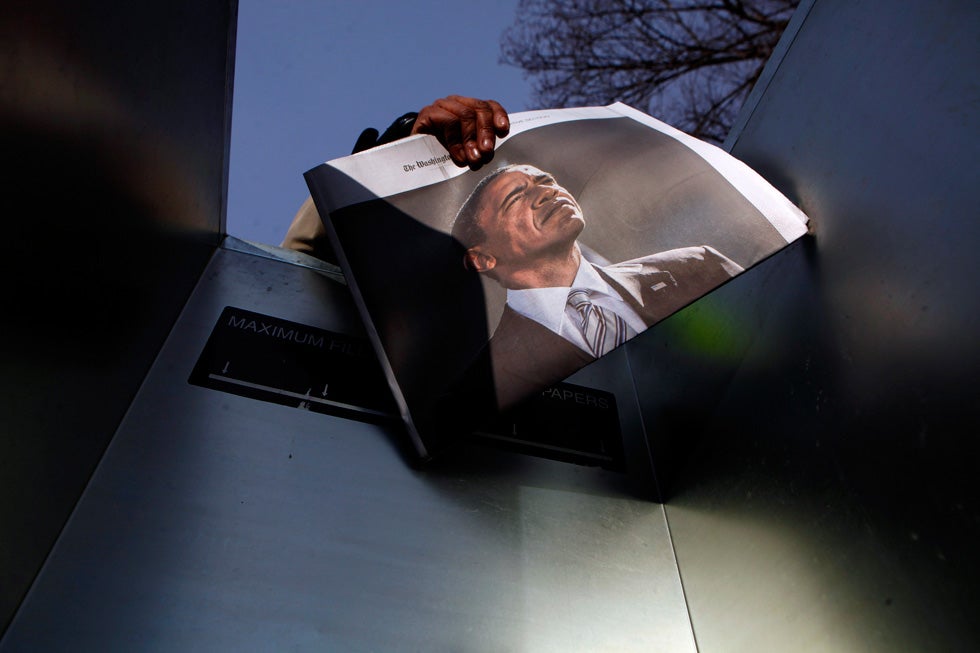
(114,117)
(217,522)
(820,410)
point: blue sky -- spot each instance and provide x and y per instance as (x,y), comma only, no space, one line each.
(310,75)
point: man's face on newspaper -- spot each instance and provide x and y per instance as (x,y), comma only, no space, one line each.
(526,216)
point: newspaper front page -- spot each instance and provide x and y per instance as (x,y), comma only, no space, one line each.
(480,288)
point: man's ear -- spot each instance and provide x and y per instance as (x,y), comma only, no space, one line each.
(474,259)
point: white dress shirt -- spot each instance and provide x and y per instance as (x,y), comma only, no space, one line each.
(549,306)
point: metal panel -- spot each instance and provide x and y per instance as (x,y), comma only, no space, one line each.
(217,522)
(820,408)
(114,118)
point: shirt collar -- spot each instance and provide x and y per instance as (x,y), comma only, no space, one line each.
(547,305)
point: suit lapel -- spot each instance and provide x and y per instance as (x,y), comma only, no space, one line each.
(533,341)
(645,288)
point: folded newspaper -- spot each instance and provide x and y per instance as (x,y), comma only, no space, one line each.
(481,288)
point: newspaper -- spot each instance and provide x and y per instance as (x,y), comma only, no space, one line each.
(481,288)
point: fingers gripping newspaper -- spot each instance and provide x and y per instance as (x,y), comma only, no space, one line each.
(481,288)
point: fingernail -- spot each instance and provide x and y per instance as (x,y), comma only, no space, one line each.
(474,153)
(487,144)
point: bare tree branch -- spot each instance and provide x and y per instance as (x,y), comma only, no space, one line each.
(689,62)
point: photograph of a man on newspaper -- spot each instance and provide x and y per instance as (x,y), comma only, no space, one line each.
(483,287)
(520,227)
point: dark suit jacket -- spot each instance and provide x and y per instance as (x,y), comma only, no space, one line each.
(527,357)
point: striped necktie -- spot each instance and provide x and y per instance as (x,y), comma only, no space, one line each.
(603,329)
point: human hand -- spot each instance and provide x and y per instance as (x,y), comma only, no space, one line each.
(466,127)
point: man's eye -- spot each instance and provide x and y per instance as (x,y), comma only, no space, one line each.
(515,195)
